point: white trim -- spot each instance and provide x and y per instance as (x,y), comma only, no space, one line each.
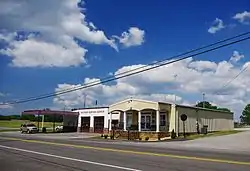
(127,100)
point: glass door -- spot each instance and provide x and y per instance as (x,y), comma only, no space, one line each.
(145,122)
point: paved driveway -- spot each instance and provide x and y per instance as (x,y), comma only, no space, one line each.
(239,142)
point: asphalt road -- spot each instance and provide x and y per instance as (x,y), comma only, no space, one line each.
(31,153)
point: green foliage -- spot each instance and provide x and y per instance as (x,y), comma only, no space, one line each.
(208,105)
(245,117)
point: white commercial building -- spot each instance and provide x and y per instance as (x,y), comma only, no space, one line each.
(93,119)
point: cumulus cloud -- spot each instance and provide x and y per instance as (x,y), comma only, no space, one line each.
(217,26)
(243,17)
(52,28)
(236,56)
(193,77)
(134,37)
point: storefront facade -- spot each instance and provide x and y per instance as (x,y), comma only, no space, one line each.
(150,119)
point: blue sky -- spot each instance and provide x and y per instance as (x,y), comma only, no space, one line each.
(161,29)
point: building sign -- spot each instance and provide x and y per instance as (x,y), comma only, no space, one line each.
(92,111)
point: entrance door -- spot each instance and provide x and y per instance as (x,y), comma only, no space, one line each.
(98,124)
(145,122)
(85,124)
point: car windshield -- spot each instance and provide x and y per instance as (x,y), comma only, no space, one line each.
(31,125)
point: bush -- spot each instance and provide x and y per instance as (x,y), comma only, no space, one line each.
(146,138)
(101,135)
(140,138)
(105,136)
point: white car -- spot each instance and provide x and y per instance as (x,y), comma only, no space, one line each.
(28,128)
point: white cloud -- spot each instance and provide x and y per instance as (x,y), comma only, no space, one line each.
(52,27)
(134,37)
(243,17)
(5,106)
(236,56)
(203,65)
(217,26)
(2,94)
(193,77)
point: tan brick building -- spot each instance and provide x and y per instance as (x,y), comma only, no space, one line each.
(158,119)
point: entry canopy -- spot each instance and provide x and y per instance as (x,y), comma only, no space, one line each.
(49,112)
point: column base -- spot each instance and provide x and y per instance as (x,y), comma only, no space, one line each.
(91,129)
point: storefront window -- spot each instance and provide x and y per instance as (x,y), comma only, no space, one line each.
(162,120)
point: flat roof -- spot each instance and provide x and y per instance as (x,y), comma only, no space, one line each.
(48,112)
(97,107)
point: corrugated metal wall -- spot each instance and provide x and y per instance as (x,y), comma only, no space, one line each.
(216,121)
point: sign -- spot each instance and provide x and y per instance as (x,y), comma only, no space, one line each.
(93,111)
(183,117)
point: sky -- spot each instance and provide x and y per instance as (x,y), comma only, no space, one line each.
(48,46)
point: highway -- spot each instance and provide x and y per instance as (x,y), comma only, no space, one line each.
(19,153)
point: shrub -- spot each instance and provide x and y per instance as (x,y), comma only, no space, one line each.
(105,136)
(146,138)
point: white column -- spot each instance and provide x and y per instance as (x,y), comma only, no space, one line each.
(139,121)
(157,121)
(124,121)
(91,121)
(110,121)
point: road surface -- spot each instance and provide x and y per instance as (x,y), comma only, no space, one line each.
(31,153)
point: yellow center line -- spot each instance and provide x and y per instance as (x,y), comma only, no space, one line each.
(131,152)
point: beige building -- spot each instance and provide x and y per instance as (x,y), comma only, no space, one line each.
(158,119)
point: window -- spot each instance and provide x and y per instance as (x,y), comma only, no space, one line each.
(163,120)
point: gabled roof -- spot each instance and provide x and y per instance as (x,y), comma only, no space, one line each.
(134,99)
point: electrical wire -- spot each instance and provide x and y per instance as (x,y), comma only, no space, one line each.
(231,80)
(126,75)
(138,68)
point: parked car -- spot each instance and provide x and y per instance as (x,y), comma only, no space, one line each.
(28,128)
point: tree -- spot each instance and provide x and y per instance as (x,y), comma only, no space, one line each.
(208,105)
(245,117)
(224,109)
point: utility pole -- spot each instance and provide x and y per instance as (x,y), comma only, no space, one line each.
(203,100)
(175,76)
(84,103)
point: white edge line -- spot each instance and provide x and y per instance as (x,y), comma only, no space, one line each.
(68,158)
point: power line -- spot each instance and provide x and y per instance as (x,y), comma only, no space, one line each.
(154,63)
(126,75)
(231,80)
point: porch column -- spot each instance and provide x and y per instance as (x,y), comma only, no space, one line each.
(157,121)
(124,121)
(110,121)
(139,121)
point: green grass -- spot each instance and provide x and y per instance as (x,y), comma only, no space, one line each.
(17,123)
(218,133)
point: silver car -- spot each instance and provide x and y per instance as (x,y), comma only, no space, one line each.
(28,128)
